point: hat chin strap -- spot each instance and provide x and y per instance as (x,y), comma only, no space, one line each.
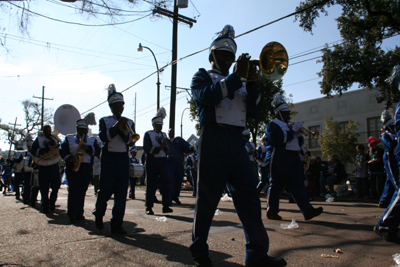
(215,60)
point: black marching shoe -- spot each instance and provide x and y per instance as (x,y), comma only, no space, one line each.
(118,230)
(99,222)
(315,212)
(383,205)
(388,236)
(149,211)
(166,209)
(176,200)
(203,261)
(268,262)
(274,216)
(45,210)
(72,220)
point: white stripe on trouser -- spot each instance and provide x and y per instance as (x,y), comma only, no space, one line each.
(270,178)
(198,176)
(394,203)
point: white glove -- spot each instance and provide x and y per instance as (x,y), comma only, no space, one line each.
(297,126)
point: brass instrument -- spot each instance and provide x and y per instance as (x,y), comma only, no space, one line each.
(51,157)
(273,62)
(304,131)
(79,154)
(134,136)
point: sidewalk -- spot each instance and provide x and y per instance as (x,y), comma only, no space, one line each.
(30,238)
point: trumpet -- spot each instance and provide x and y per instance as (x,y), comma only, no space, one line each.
(134,136)
(273,62)
(304,131)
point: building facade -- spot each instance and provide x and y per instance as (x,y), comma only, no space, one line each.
(358,106)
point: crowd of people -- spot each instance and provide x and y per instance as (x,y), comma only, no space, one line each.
(223,161)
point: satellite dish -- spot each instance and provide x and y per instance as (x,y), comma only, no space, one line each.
(65,119)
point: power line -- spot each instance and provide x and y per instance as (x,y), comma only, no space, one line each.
(77,23)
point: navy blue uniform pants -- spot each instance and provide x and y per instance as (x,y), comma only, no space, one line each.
(78,183)
(176,172)
(157,175)
(18,178)
(26,186)
(223,160)
(392,176)
(132,183)
(391,217)
(264,179)
(286,169)
(114,179)
(49,177)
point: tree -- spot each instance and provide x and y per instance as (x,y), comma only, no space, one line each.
(343,142)
(106,10)
(363,25)
(33,119)
(267,90)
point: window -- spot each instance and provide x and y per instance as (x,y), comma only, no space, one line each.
(373,126)
(313,143)
(343,125)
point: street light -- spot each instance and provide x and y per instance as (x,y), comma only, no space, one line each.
(181,121)
(140,50)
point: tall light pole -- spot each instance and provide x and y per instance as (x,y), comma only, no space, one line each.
(182,120)
(140,50)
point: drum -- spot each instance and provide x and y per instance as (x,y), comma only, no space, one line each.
(136,170)
(35,178)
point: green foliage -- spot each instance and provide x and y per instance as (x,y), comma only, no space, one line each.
(334,139)
(363,26)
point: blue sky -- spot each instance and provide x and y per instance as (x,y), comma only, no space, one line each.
(77,63)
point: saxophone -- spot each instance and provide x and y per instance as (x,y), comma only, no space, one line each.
(79,155)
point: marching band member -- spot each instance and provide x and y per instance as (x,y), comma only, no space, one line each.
(49,176)
(155,145)
(389,140)
(114,173)
(78,151)
(251,151)
(387,226)
(132,179)
(284,163)
(178,146)
(24,157)
(223,104)
(261,152)
(191,164)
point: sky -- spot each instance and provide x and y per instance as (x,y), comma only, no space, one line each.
(76,63)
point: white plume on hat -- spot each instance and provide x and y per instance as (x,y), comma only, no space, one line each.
(113,95)
(279,103)
(161,114)
(386,118)
(394,78)
(90,119)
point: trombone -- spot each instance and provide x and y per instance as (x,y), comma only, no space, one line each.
(304,131)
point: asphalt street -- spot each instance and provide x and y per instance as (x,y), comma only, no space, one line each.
(31,238)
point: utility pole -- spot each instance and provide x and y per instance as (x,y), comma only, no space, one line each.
(176,18)
(12,136)
(134,118)
(42,104)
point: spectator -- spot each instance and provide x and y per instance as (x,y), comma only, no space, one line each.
(361,171)
(376,169)
(333,173)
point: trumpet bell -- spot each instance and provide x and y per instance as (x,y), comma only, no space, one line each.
(274,60)
(134,137)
